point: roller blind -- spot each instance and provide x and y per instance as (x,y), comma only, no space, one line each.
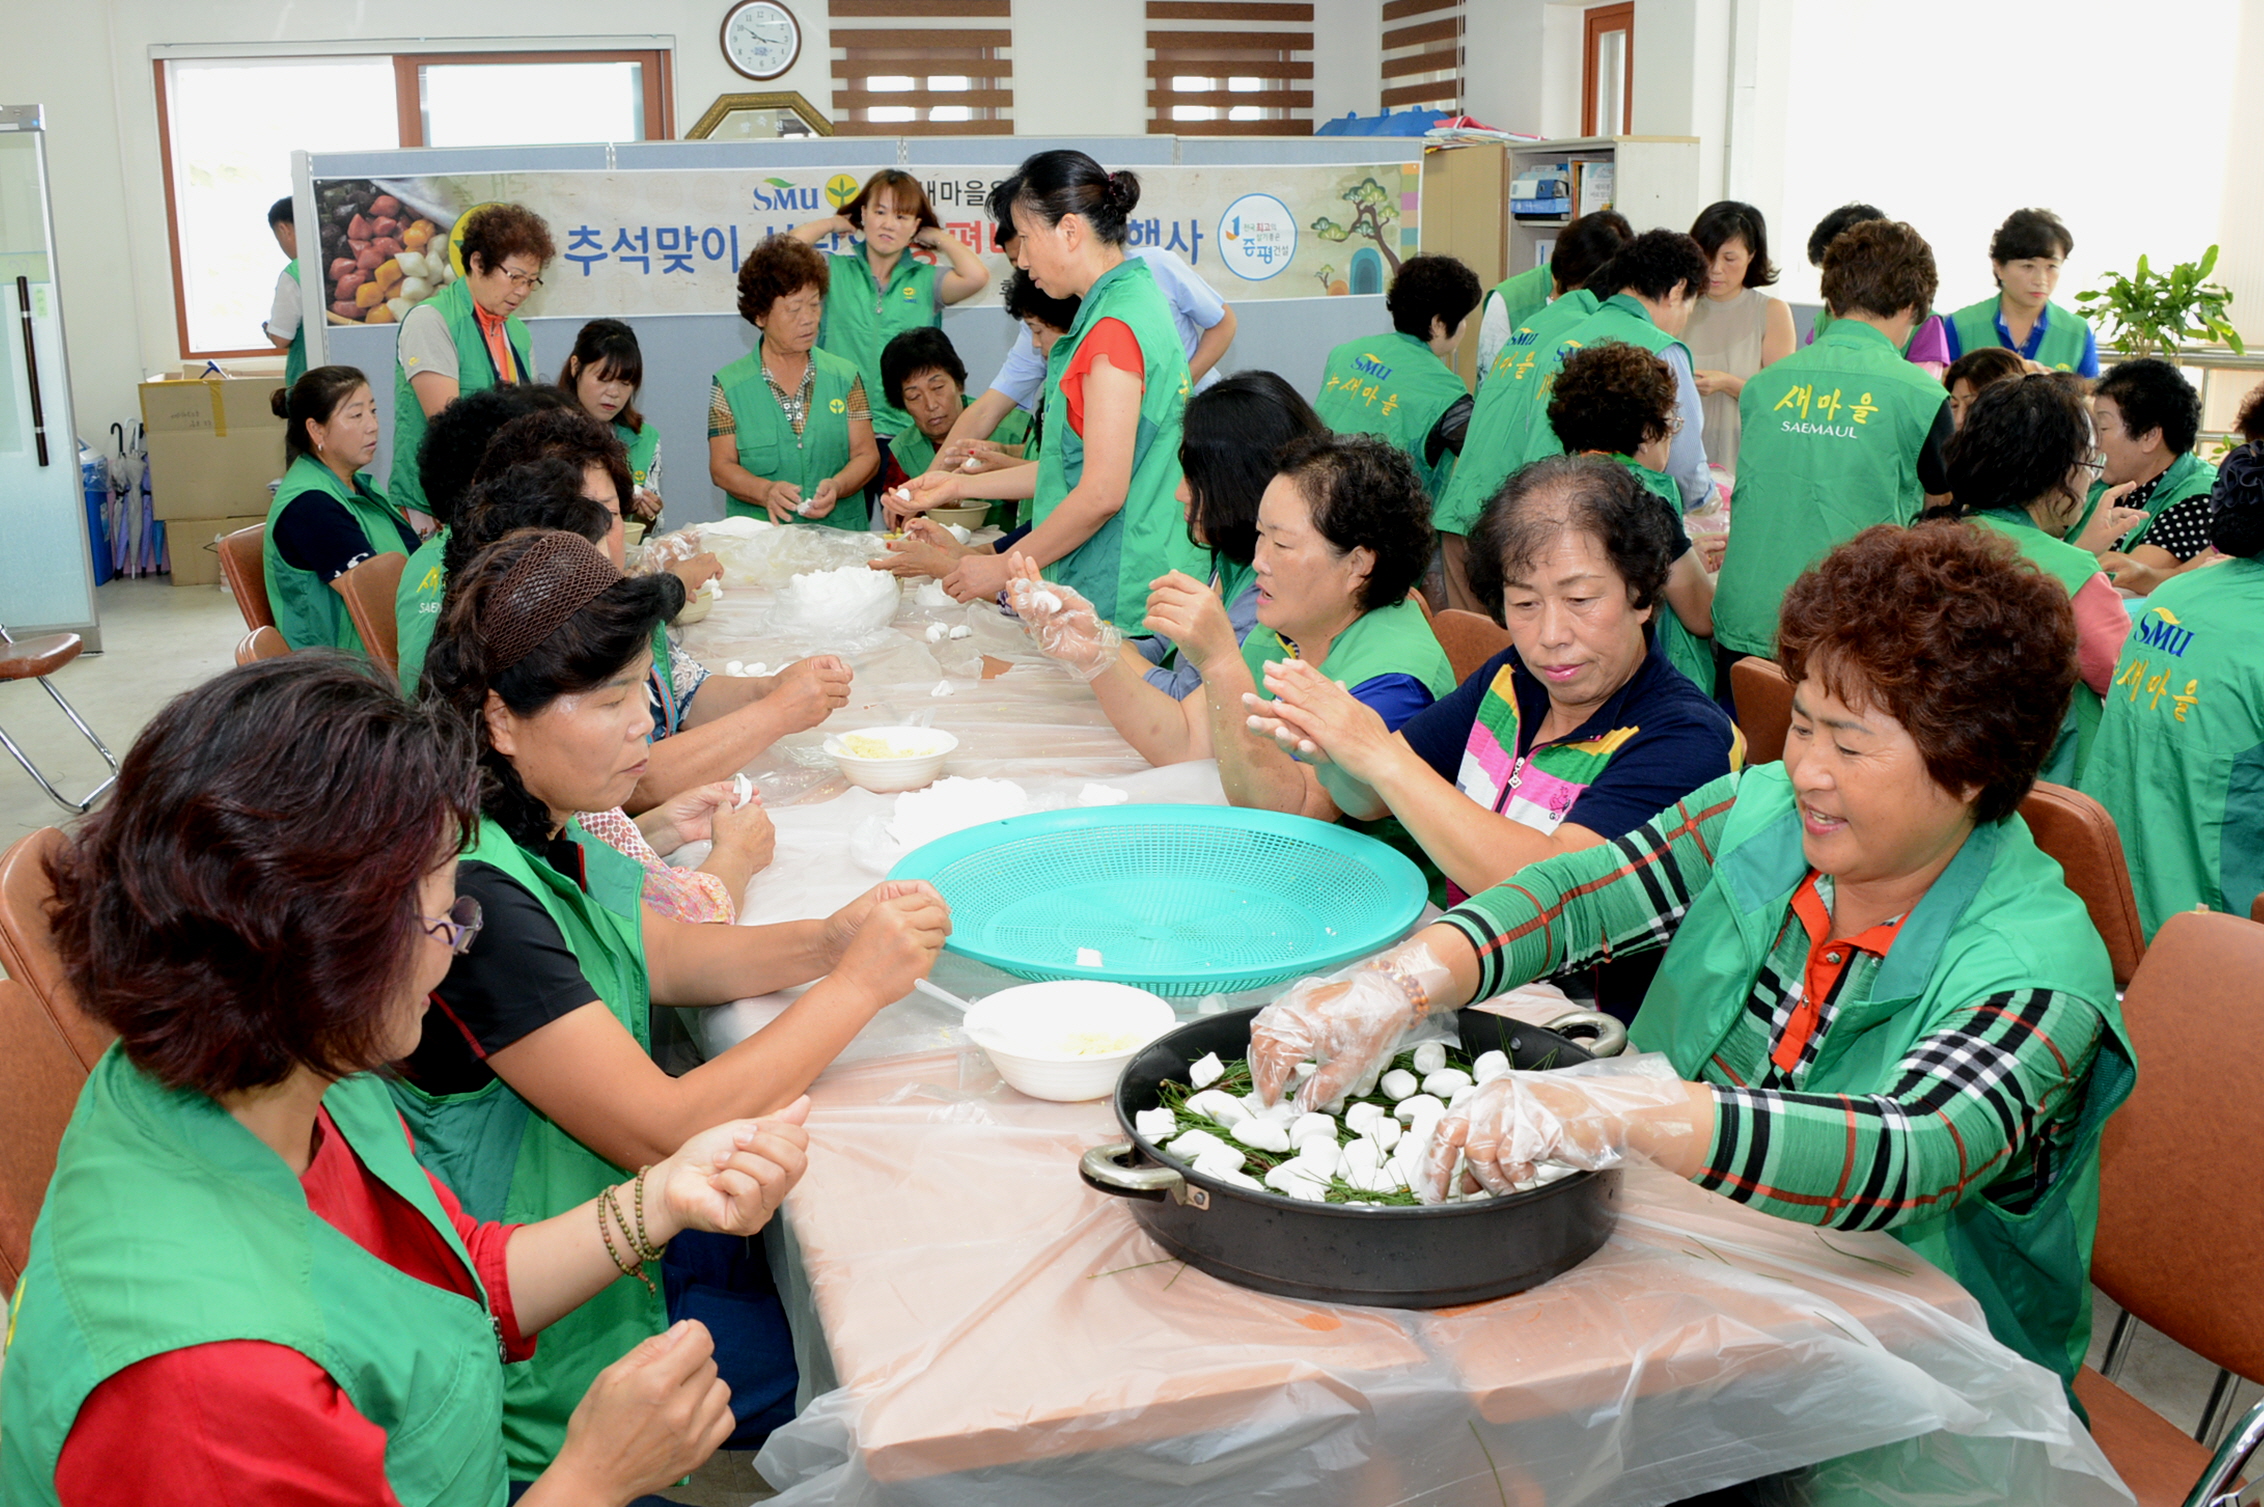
(1230,68)
(922,67)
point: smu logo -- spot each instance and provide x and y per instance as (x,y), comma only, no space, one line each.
(1368,365)
(777,193)
(2159,629)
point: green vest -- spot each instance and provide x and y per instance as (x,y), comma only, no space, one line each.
(168,1225)
(1517,433)
(2073,568)
(475,372)
(2179,761)
(1524,295)
(1824,321)
(861,318)
(2187,476)
(1829,447)
(2061,348)
(295,358)
(1392,386)
(1685,650)
(1148,535)
(642,445)
(2000,917)
(416,608)
(507,1161)
(769,447)
(308,613)
(915,452)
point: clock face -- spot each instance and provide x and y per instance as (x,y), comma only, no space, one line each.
(761,39)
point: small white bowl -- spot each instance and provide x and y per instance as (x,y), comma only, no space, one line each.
(1028,1033)
(885,776)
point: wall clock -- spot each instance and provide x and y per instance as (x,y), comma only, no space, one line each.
(761,38)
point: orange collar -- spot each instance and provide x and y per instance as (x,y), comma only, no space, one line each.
(1829,958)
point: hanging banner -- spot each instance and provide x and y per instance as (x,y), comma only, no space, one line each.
(668,242)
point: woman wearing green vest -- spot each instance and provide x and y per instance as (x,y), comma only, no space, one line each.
(2025,257)
(468,336)
(1647,289)
(1836,437)
(879,290)
(2148,417)
(1107,522)
(1402,386)
(535,1079)
(286,326)
(1340,544)
(603,373)
(1581,247)
(1882,1005)
(1572,736)
(2179,761)
(2018,466)
(790,435)
(327,516)
(1928,344)
(242,1287)
(921,373)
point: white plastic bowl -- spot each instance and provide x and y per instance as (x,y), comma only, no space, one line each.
(1026,1031)
(885,776)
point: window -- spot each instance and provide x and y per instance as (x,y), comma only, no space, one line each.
(920,71)
(227,128)
(1422,57)
(1234,70)
(1607,70)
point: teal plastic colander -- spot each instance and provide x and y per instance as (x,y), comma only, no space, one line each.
(1181,900)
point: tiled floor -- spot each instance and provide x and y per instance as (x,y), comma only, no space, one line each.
(159,640)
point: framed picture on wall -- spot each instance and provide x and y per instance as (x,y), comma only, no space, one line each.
(759,117)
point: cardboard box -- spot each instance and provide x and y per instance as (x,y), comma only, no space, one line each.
(190,542)
(213,446)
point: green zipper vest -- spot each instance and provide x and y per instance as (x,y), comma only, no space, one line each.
(2179,761)
(475,372)
(2187,476)
(295,359)
(861,318)
(1685,650)
(1829,447)
(915,452)
(168,1225)
(2000,917)
(769,447)
(1392,386)
(2061,348)
(1524,295)
(2073,568)
(1516,432)
(642,445)
(1824,321)
(416,608)
(508,1162)
(1148,535)
(308,613)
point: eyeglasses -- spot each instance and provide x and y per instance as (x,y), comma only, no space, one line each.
(459,926)
(2096,466)
(527,280)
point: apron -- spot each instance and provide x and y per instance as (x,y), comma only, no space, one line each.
(769,447)
(308,613)
(475,372)
(862,317)
(2061,348)
(416,608)
(1393,387)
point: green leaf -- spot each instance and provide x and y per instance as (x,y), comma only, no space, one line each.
(2142,273)
(2208,263)
(779,182)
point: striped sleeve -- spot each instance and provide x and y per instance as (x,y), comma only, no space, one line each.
(1982,1105)
(1624,896)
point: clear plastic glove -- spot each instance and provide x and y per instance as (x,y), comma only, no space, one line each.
(667,551)
(1348,1024)
(1062,623)
(1575,1117)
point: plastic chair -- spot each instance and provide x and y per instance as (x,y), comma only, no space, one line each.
(2077,831)
(36,659)
(261,643)
(1469,638)
(243,560)
(368,589)
(2179,1205)
(1764,707)
(40,1078)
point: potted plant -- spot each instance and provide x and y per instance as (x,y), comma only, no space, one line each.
(2156,313)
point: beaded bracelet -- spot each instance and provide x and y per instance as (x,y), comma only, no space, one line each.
(605,1201)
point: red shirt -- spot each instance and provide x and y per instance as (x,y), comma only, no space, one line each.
(1112,338)
(245,1421)
(1829,958)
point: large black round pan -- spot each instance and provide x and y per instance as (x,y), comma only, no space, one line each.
(1391,1257)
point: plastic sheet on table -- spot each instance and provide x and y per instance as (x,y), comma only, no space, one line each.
(1030,1343)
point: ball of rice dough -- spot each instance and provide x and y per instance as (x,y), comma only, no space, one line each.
(1430,1057)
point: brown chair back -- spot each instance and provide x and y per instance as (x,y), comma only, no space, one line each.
(2256,909)
(2077,831)
(1764,707)
(243,560)
(261,643)
(40,1078)
(27,947)
(2179,1202)
(368,589)
(1469,638)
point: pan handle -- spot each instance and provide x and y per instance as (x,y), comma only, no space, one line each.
(1103,1168)
(1610,1036)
